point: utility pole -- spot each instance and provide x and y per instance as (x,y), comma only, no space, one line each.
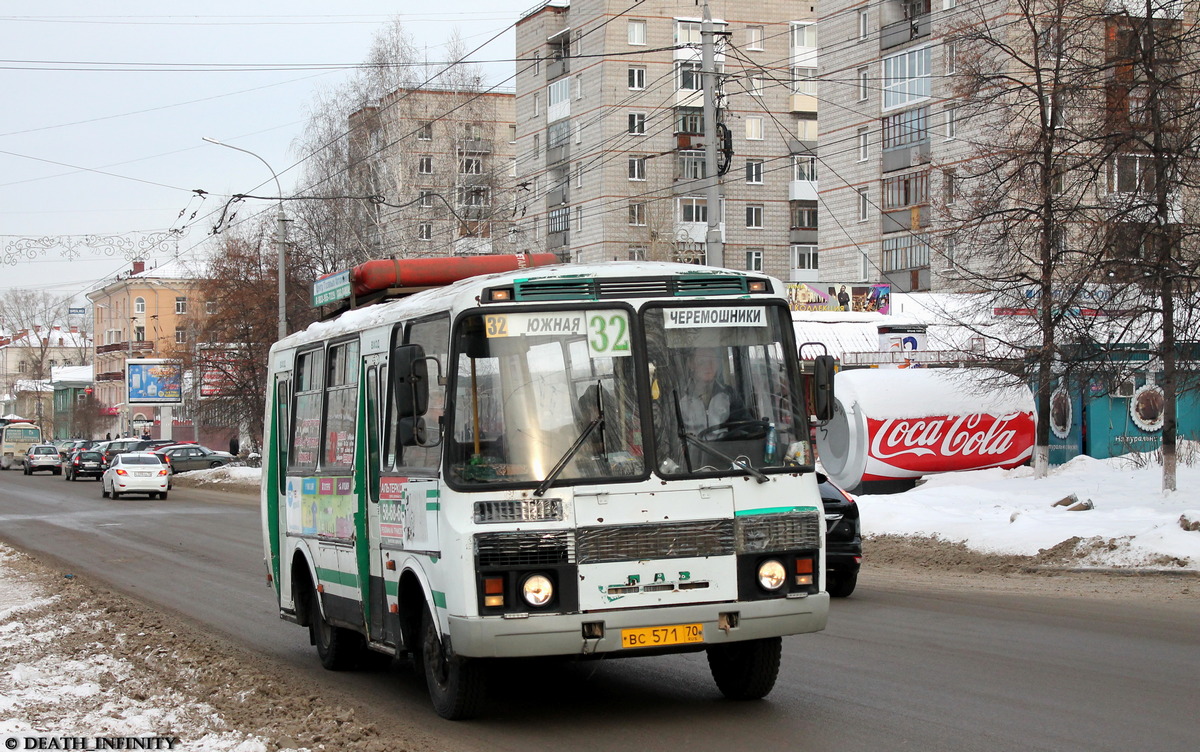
(714,246)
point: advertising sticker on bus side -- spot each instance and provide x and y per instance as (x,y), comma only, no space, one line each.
(692,318)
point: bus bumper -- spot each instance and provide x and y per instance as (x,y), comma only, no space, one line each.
(562,634)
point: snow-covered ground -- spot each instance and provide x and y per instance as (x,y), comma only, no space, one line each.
(1131,522)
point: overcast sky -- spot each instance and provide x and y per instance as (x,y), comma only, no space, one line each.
(105,105)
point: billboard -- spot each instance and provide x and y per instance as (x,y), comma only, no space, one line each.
(840,296)
(154,381)
(218,371)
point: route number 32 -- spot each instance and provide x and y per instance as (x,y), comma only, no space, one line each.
(608,334)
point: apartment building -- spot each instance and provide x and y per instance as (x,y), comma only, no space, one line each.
(141,314)
(610,133)
(904,152)
(442,160)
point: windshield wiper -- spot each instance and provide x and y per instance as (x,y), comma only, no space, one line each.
(690,438)
(596,422)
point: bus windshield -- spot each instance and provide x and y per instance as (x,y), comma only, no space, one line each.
(530,385)
(721,390)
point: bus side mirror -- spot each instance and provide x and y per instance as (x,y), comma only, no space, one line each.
(410,380)
(416,432)
(823,371)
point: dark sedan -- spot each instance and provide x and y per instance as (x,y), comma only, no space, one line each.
(84,463)
(843,539)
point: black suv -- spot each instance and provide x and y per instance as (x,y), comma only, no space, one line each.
(843,539)
(84,463)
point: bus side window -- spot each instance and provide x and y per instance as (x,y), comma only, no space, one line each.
(433,335)
(305,439)
(283,426)
(341,405)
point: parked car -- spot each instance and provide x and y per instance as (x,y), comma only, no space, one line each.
(184,457)
(118,446)
(68,448)
(843,539)
(42,457)
(84,463)
(135,472)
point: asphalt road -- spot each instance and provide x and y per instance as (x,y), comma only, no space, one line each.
(898,668)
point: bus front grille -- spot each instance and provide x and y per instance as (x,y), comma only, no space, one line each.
(779,532)
(549,548)
(594,545)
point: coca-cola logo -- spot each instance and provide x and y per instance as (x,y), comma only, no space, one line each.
(951,442)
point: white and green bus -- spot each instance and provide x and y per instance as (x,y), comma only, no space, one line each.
(505,466)
(15,440)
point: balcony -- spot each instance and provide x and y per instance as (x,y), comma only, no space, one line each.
(802,236)
(111,376)
(138,346)
(558,154)
(557,240)
(557,196)
(474,146)
(913,218)
(904,31)
(695,232)
(906,156)
(558,67)
(802,190)
(803,103)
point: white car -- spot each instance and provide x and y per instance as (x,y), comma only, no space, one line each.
(136,472)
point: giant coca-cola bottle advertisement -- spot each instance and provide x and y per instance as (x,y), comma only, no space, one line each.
(892,426)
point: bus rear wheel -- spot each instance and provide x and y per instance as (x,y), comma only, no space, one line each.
(455,684)
(338,648)
(746,670)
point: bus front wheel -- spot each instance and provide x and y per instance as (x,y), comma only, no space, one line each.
(746,670)
(455,684)
(338,648)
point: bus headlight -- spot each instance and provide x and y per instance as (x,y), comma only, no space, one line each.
(771,574)
(537,590)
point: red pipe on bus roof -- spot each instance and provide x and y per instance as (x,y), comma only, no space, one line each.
(383,274)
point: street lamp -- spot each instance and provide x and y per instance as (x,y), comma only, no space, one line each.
(280,235)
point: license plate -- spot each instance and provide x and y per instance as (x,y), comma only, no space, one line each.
(649,637)
(142,475)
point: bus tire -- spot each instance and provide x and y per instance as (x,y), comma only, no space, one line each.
(746,670)
(455,684)
(339,649)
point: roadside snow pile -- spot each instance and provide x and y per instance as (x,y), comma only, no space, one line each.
(233,477)
(1131,522)
(73,670)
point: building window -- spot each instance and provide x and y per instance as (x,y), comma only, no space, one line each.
(756,86)
(804,215)
(905,251)
(537,103)
(471,166)
(804,81)
(692,165)
(180,305)
(804,257)
(637,168)
(637,123)
(690,121)
(425,165)
(754,38)
(579,86)
(864,205)
(559,220)
(951,50)
(689,77)
(579,217)
(754,260)
(806,129)
(1131,173)
(950,186)
(425,131)
(425,231)
(472,195)
(951,122)
(692,209)
(688,32)
(754,129)
(139,305)
(804,35)
(180,335)
(754,171)
(754,217)
(637,253)
(637,32)
(906,78)
(864,84)
(210,307)
(579,174)
(637,214)
(637,79)
(22,367)
(864,24)
(863,144)
(804,168)
(906,128)
(425,200)
(139,334)
(905,190)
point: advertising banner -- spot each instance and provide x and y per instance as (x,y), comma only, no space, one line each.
(154,381)
(218,371)
(840,296)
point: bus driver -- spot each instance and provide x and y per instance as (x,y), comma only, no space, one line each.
(706,401)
